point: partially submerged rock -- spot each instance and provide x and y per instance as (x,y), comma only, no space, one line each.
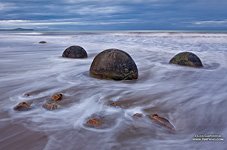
(23,106)
(27,94)
(161,121)
(50,106)
(94,122)
(75,52)
(137,115)
(57,97)
(114,103)
(42,42)
(186,59)
(123,103)
(114,64)
(120,104)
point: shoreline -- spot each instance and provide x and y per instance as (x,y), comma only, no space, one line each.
(123,31)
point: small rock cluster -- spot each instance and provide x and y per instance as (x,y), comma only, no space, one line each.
(51,104)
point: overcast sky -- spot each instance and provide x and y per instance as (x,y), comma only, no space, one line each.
(114,14)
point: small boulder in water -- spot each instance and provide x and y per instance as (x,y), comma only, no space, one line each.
(57,97)
(42,42)
(114,103)
(94,122)
(162,121)
(23,106)
(27,94)
(114,64)
(138,115)
(75,52)
(50,106)
(186,59)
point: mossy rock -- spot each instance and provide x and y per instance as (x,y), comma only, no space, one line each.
(114,64)
(75,52)
(186,59)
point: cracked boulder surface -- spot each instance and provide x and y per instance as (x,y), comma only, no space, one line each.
(114,64)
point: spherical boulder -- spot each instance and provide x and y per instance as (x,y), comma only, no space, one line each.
(186,59)
(42,42)
(75,52)
(114,64)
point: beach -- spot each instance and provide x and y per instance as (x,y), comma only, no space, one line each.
(194,100)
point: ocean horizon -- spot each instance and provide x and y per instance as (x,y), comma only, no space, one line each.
(133,31)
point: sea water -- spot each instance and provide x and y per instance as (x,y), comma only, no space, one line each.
(193,100)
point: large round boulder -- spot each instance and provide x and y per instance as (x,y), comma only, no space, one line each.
(186,59)
(75,52)
(114,64)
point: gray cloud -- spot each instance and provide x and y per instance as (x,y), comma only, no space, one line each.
(133,14)
(6,6)
(211,23)
(65,22)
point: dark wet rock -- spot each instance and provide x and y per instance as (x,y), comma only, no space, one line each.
(114,64)
(27,94)
(102,120)
(75,52)
(42,42)
(186,59)
(114,103)
(137,115)
(50,105)
(94,122)
(23,106)
(36,91)
(161,121)
(57,97)
(120,103)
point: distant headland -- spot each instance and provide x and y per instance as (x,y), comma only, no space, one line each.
(17,29)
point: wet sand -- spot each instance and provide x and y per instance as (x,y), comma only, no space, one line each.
(15,136)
